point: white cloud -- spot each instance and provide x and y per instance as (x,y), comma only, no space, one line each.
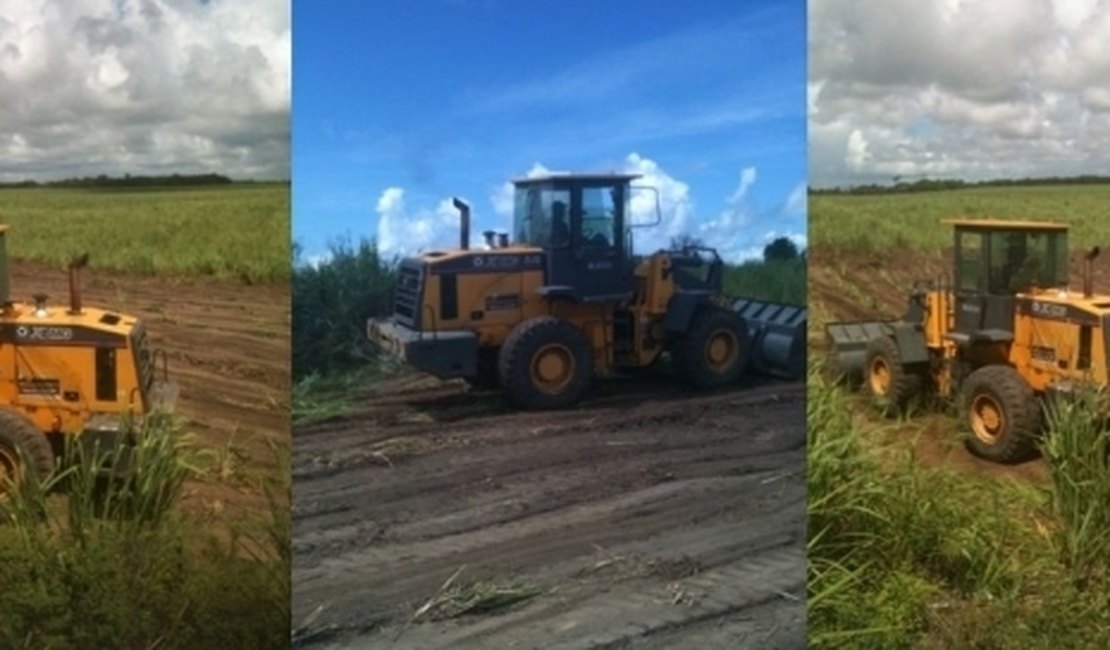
(734,232)
(972,89)
(747,179)
(401,232)
(730,231)
(675,206)
(797,202)
(856,154)
(315,261)
(144,86)
(502,196)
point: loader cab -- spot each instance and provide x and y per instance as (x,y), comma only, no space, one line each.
(580,223)
(995,261)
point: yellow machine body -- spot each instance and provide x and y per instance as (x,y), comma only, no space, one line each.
(1058,336)
(1007,302)
(491,292)
(568,300)
(61,370)
(1002,335)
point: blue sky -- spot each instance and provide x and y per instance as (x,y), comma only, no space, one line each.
(398,106)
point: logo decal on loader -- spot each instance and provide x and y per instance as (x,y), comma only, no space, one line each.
(35,333)
(502,302)
(1041,353)
(1049,309)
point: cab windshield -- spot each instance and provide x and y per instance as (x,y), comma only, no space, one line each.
(1008,262)
(543,216)
(1023,260)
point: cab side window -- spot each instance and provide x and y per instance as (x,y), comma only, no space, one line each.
(599,218)
(970,251)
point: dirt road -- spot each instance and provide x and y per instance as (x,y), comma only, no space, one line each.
(647,518)
(228,349)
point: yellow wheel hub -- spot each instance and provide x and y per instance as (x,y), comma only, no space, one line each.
(987,418)
(553,368)
(721,350)
(879,376)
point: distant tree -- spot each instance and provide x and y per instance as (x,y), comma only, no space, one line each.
(780,249)
(682,241)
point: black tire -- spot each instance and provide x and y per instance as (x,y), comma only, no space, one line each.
(545,363)
(714,352)
(24,451)
(1002,415)
(487,377)
(889,382)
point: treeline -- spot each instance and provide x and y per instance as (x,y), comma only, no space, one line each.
(334,296)
(774,279)
(332,300)
(127,180)
(933,185)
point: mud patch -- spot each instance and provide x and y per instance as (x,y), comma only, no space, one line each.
(647,513)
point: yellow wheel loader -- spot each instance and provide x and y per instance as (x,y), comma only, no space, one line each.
(566,300)
(999,335)
(70,371)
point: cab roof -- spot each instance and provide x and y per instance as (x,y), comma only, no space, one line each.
(1005,224)
(599,177)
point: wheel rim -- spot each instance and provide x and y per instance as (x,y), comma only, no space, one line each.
(553,368)
(987,418)
(721,350)
(11,472)
(879,376)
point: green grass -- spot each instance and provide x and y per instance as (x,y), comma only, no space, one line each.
(1078,456)
(905,556)
(232,231)
(87,563)
(319,397)
(773,280)
(898,221)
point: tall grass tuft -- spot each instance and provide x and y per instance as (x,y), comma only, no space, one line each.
(890,539)
(1076,448)
(100,554)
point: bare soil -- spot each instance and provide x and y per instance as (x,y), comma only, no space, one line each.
(648,517)
(847,285)
(228,348)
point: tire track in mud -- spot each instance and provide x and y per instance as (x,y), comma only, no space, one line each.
(585,504)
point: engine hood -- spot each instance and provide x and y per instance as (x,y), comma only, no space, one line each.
(508,259)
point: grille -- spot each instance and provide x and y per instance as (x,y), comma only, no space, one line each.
(406,300)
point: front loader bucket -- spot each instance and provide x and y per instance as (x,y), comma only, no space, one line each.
(778,337)
(848,346)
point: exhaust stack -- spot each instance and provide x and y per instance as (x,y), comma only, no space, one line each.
(503,239)
(5,288)
(490,244)
(75,283)
(464,218)
(1088,272)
